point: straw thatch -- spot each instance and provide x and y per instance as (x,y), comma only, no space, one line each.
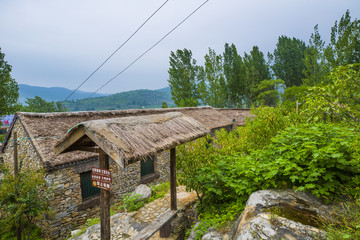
(45,129)
(133,138)
(237,115)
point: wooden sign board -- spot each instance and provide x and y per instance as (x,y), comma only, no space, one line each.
(101,178)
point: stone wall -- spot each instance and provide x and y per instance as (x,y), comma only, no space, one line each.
(68,209)
(26,151)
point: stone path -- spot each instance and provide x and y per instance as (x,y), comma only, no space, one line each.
(125,225)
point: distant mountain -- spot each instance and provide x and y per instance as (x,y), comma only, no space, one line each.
(136,99)
(50,93)
(165,89)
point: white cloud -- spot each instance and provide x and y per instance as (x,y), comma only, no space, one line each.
(60,42)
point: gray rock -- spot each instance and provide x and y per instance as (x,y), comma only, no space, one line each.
(212,235)
(143,190)
(193,233)
(75,232)
(281,214)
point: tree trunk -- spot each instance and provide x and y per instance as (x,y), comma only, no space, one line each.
(29,229)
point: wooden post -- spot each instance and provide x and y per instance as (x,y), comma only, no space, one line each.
(165,230)
(173,178)
(16,172)
(104,201)
(16,166)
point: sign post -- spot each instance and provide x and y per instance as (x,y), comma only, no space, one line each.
(101,178)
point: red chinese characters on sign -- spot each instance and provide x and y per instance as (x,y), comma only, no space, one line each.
(101,178)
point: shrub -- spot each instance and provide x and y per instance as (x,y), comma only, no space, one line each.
(319,158)
(132,202)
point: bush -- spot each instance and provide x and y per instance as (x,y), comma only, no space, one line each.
(132,202)
(320,158)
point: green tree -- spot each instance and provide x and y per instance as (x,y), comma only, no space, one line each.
(164,105)
(183,78)
(212,86)
(339,100)
(191,158)
(38,104)
(293,94)
(9,90)
(267,92)
(289,60)
(235,74)
(23,199)
(344,46)
(313,60)
(257,70)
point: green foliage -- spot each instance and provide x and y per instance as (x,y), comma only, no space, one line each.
(235,73)
(293,94)
(38,104)
(159,191)
(9,90)
(218,216)
(257,70)
(2,137)
(267,92)
(35,234)
(344,43)
(313,59)
(346,224)
(212,89)
(311,157)
(183,78)
(164,105)
(339,100)
(132,202)
(266,123)
(289,60)
(317,158)
(90,222)
(191,158)
(23,199)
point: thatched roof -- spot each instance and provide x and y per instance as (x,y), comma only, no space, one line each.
(237,115)
(45,129)
(129,139)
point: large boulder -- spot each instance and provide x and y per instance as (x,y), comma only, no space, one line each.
(143,190)
(281,214)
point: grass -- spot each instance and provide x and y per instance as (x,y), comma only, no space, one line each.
(347,222)
(34,235)
(2,137)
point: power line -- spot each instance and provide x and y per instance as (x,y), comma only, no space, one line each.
(148,49)
(116,50)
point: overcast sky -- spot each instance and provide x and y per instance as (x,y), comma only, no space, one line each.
(58,43)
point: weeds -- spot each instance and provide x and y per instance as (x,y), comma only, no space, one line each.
(346,224)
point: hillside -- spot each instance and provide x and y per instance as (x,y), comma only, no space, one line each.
(136,99)
(50,93)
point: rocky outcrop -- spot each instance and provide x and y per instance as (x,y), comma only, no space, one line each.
(281,214)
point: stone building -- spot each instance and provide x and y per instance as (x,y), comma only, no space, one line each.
(74,199)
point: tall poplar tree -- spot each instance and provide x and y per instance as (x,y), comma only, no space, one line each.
(313,60)
(212,88)
(289,60)
(235,74)
(257,70)
(183,78)
(344,46)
